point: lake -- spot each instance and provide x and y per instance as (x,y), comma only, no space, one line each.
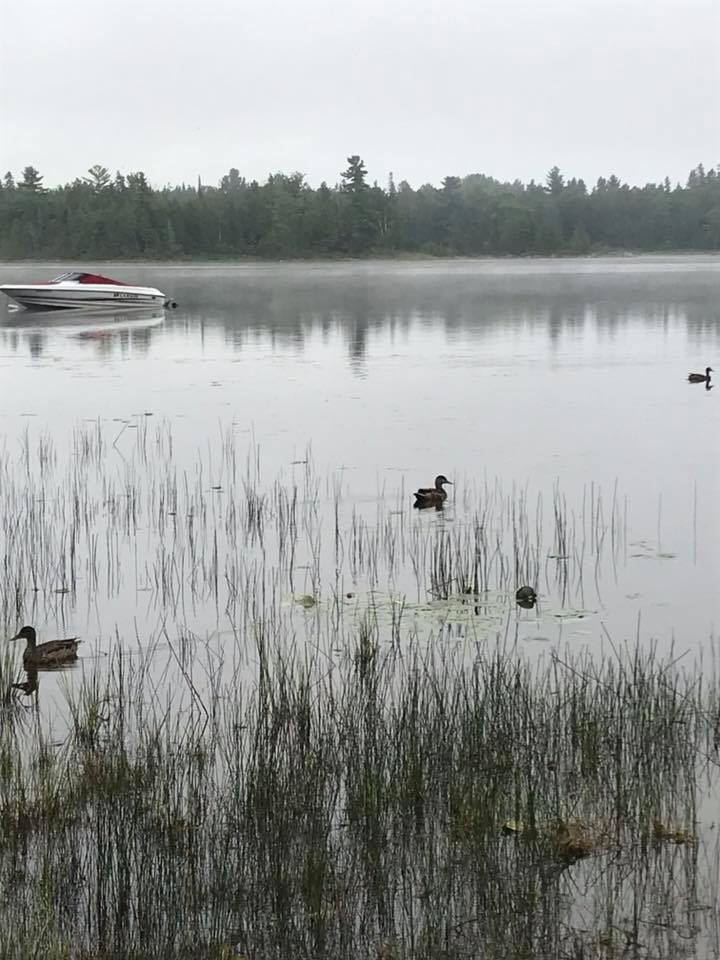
(312,716)
(544,377)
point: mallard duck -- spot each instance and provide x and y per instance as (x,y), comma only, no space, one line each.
(526,597)
(47,654)
(432,496)
(701,377)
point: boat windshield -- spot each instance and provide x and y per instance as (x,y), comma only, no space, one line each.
(86,278)
(64,277)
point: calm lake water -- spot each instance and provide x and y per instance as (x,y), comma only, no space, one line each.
(538,379)
(223,493)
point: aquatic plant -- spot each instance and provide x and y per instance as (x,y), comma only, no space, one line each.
(305,726)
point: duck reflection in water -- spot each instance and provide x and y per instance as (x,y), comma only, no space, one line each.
(31,685)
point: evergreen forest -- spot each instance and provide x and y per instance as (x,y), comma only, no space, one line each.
(101,216)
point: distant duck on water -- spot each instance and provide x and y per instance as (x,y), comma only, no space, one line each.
(525,597)
(700,377)
(432,496)
(50,654)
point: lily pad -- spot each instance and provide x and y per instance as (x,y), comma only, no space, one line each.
(667,834)
(570,614)
(513,826)
(304,600)
(482,613)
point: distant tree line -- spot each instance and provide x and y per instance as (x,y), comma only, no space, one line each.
(100,216)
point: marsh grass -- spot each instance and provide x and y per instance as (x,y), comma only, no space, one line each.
(345,813)
(121,522)
(313,735)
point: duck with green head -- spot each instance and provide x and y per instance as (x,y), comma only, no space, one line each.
(49,654)
(432,496)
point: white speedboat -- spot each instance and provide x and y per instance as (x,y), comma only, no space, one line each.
(70,291)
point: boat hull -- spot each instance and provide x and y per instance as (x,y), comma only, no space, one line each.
(78,296)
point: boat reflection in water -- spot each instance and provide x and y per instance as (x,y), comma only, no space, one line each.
(101,327)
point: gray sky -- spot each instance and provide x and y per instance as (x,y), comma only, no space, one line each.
(421,88)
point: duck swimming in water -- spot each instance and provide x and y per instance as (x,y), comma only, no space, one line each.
(432,496)
(700,377)
(525,597)
(49,654)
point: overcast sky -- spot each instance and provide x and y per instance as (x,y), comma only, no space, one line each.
(423,89)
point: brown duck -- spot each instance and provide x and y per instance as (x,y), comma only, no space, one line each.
(700,377)
(48,654)
(432,496)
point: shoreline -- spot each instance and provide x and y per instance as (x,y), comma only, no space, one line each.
(376,258)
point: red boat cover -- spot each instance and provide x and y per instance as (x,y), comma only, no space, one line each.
(81,278)
(96,278)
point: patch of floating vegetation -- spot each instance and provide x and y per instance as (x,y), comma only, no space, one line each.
(484,615)
(486,612)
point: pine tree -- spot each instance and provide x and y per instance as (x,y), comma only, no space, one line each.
(32,180)
(98,178)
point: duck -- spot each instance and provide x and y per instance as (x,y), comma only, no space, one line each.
(700,377)
(432,496)
(48,654)
(526,597)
